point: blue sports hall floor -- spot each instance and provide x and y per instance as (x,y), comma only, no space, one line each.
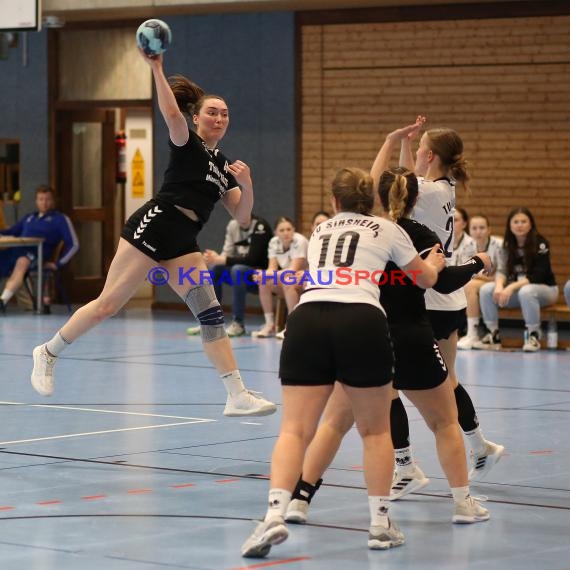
(131,464)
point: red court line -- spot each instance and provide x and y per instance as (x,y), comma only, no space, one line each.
(183,486)
(541,452)
(273,563)
(46,503)
(7,508)
(359,467)
(226,480)
(138,491)
(94,497)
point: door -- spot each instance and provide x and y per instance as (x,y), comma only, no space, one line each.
(85,182)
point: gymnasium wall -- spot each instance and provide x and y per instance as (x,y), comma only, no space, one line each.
(24,111)
(503,84)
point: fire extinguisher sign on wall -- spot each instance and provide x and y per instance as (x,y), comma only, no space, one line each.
(121,146)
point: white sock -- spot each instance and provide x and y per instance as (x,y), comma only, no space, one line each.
(460,494)
(57,344)
(233,382)
(472,323)
(6,295)
(278,502)
(404,460)
(379,510)
(476,440)
(269,319)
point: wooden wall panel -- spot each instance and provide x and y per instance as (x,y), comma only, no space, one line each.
(503,84)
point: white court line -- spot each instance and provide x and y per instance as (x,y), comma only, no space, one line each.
(252,423)
(108,411)
(97,432)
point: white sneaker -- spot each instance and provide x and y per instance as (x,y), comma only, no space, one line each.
(467,342)
(280,335)
(297,511)
(532,342)
(470,511)
(265,535)
(264,332)
(381,538)
(235,329)
(481,463)
(193,331)
(406,482)
(248,403)
(42,374)
(491,341)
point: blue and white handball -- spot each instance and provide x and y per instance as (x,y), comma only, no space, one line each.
(154,37)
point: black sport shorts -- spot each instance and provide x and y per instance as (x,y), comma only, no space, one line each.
(348,342)
(161,231)
(419,364)
(444,323)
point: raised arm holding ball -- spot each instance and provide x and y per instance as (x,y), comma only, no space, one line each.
(164,232)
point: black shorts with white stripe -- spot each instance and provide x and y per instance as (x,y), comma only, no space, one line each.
(161,231)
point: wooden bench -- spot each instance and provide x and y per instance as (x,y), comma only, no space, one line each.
(559,312)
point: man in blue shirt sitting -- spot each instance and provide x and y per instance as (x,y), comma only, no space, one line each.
(46,223)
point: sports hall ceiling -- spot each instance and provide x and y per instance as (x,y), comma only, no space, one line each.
(88,10)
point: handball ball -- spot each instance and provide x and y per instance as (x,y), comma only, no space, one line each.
(154,37)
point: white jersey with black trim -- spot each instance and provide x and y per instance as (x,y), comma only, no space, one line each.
(347,256)
(297,248)
(465,250)
(435,208)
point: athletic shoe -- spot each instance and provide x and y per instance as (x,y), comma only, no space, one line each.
(481,463)
(193,331)
(248,403)
(42,374)
(532,342)
(297,511)
(235,329)
(491,341)
(406,482)
(265,535)
(467,342)
(264,332)
(470,511)
(380,537)
(280,335)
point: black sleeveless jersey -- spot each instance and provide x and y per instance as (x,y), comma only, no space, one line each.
(402,300)
(196,177)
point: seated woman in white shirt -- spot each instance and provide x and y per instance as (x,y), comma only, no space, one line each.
(480,231)
(287,254)
(463,243)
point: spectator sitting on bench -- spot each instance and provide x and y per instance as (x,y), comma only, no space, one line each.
(567,292)
(287,252)
(524,279)
(463,243)
(245,249)
(480,231)
(46,223)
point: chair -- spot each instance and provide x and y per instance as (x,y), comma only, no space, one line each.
(51,280)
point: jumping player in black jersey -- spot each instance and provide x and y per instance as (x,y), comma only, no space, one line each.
(164,232)
(420,371)
(339,331)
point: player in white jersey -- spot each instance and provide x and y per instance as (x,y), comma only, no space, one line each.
(340,332)
(480,232)
(440,165)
